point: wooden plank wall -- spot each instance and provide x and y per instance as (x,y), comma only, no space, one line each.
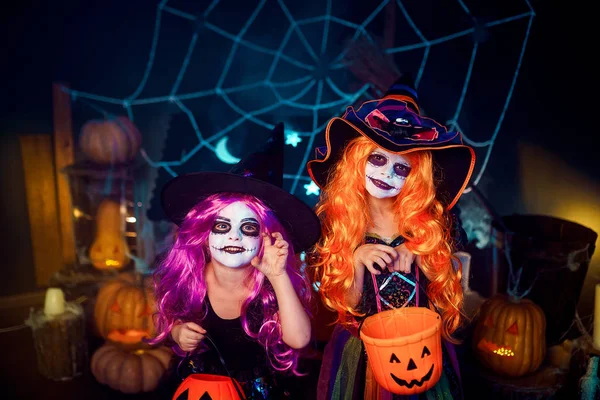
(40,187)
(63,156)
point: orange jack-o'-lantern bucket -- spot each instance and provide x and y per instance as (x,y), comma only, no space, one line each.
(216,387)
(208,386)
(404,349)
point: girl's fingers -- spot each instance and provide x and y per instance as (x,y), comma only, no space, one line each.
(405,264)
(266,240)
(372,269)
(195,337)
(396,265)
(387,249)
(195,328)
(277,235)
(384,256)
(282,244)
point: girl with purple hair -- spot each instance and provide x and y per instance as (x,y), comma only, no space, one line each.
(232,275)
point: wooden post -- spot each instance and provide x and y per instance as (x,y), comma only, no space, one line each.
(40,188)
(63,156)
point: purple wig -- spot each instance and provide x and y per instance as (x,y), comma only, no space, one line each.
(180,283)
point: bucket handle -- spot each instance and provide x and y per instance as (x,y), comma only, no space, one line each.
(187,357)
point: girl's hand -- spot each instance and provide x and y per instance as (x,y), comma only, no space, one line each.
(405,259)
(274,257)
(188,335)
(371,255)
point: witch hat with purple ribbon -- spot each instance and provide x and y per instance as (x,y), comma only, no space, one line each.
(395,123)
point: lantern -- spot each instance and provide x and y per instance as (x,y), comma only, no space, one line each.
(510,335)
(128,370)
(111,141)
(404,349)
(123,310)
(109,249)
(207,386)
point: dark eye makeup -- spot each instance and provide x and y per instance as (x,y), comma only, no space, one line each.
(401,170)
(379,160)
(221,227)
(250,229)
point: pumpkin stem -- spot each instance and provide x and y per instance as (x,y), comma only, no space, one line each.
(513,298)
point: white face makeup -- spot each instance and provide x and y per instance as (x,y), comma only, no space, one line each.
(235,236)
(385,173)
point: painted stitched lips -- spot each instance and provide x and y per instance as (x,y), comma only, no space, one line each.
(381,184)
(233,249)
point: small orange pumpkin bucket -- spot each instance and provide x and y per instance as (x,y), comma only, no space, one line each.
(404,348)
(216,386)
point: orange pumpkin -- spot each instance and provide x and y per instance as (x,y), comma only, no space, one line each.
(110,141)
(109,249)
(124,308)
(510,335)
(130,371)
(207,386)
(404,349)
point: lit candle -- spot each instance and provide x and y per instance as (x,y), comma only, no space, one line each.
(54,303)
(597,318)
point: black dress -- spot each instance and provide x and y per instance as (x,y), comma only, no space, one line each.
(243,356)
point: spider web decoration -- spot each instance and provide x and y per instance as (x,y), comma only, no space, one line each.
(232,70)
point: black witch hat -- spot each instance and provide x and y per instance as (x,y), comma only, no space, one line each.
(395,124)
(259,174)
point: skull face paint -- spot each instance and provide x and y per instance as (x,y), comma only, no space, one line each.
(235,236)
(385,173)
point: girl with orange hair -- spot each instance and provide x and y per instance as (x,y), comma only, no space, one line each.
(389,177)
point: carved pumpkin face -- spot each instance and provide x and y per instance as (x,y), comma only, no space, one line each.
(510,336)
(124,309)
(404,349)
(208,387)
(109,249)
(413,373)
(109,252)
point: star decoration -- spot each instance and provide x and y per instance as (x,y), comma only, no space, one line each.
(312,188)
(292,138)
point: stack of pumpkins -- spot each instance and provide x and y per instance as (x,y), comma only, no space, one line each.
(123,316)
(108,143)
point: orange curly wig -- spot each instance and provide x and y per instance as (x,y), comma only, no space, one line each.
(422,220)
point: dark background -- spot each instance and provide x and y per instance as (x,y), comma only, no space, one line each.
(102,47)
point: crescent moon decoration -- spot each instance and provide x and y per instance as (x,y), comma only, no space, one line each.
(223,154)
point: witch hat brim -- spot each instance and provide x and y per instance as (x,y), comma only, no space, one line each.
(250,176)
(453,161)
